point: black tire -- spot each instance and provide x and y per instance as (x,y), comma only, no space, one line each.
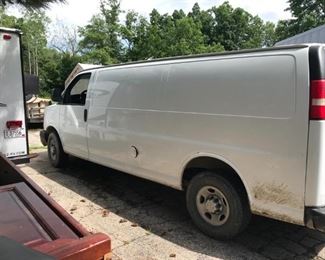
(222,211)
(57,156)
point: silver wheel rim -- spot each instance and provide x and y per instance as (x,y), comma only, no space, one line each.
(53,152)
(212,205)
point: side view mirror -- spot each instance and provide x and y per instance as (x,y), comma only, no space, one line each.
(57,95)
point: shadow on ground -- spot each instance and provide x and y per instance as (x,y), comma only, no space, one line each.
(161,210)
(35,126)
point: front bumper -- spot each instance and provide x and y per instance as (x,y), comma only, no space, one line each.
(315,218)
(44,135)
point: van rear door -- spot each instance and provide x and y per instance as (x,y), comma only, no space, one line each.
(13,135)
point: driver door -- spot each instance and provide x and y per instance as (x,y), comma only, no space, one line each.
(73,117)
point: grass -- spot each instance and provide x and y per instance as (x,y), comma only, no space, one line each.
(36,147)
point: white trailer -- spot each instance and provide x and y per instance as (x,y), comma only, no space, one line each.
(13,133)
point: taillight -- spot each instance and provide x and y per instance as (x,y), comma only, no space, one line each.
(7,37)
(317,100)
(14,124)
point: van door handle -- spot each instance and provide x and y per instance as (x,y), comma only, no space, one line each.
(3,105)
(85,115)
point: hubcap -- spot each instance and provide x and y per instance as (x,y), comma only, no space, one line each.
(212,205)
(53,152)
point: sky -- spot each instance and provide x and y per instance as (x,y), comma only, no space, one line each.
(79,12)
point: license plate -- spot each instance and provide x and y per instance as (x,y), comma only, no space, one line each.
(14,133)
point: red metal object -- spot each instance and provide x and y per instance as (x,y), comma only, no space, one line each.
(31,217)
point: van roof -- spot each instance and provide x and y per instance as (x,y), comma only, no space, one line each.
(286,47)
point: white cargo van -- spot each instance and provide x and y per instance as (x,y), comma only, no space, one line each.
(13,133)
(240,132)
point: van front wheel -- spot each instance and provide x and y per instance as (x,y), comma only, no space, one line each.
(57,156)
(216,207)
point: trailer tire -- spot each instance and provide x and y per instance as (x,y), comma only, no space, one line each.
(216,207)
(57,156)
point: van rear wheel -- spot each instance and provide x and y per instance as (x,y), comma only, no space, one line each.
(57,156)
(216,207)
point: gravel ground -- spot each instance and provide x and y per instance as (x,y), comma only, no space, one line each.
(146,220)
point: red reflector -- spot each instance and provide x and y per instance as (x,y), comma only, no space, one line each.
(14,124)
(7,37)
(317,100)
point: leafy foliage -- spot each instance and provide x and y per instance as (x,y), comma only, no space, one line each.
(33,4)
(312,8)
(8,20)
(307,14)
(105,40)
(236,29)
(56,66)
(100,43)
(34,38)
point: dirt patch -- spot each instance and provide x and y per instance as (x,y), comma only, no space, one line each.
(278,194)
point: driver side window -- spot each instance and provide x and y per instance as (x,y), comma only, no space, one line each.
(77,91)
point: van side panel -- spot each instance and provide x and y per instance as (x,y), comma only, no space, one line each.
(112,98)
(244,87)
(249,109)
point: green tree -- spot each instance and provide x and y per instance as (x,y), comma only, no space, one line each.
(236,28)
(178,14)
(107,41)
(187,38)
(34,38)
(269,38)
(206,22)
(55,68)
(100,38)
(60,58)
(64,38)
(8,21)
(164,36)
(134,34)
(31,3)
(307,14)
(312,8)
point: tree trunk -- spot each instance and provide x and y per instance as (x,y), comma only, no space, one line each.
(36,62)
(29,60)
